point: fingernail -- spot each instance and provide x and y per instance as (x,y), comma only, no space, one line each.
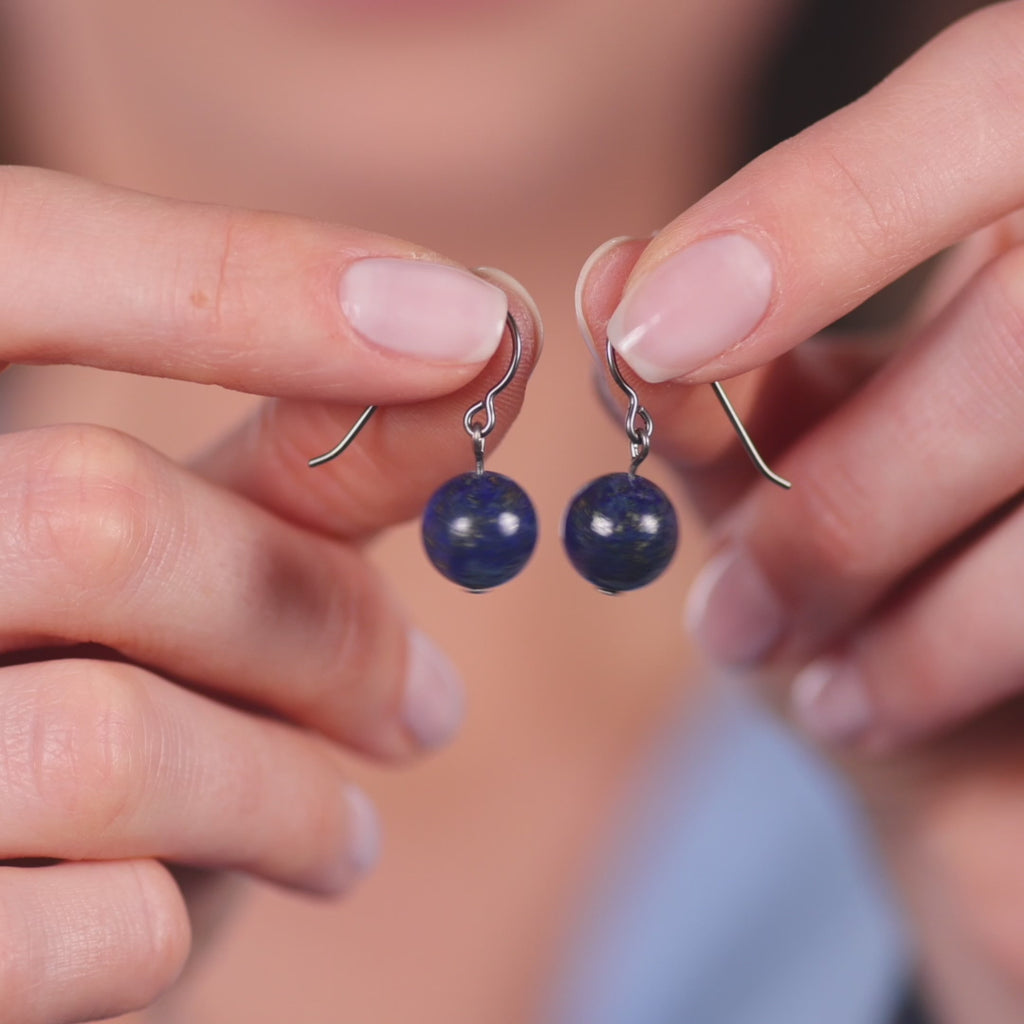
(362,844)
(364,831)
(732,611)
(581,284)
(693,307)
(433,704)
(830,701)
(422,309)
(507,283)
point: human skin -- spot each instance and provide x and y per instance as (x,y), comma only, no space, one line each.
(528,178)
(111,545)
(879,597)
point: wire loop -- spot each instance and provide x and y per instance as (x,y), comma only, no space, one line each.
(640,435)
(486,404)
(478,432)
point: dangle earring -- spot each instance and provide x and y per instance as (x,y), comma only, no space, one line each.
(620,531)
(479,528)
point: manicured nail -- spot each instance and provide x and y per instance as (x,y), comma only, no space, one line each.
(507,283)
(362,844)
(830,701)
(364,831)
(422,309)
(690,309)
(732,611)
(596,257)
(433,705)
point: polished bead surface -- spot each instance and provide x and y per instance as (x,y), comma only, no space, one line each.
(479,529)
(620,532)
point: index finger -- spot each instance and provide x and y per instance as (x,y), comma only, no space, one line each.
(394,465)
(814,226)
(255,302)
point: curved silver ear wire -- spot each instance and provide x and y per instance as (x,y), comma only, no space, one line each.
(755,455)
(364,418)
(486,405)
(640,436)
(478,432)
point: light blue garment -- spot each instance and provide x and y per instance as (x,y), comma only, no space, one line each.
(741,892)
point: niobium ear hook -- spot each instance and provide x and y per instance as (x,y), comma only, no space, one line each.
(640,435)
(479,528)
(478,432)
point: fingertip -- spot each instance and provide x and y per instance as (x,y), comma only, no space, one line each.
(829,701)
(364,826)
(421,309)
(522,307)
(520,299)
(433,702)
(687,313)
(167,924)
(599,286)
(733,612)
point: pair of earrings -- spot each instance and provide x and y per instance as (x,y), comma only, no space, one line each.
(620,531)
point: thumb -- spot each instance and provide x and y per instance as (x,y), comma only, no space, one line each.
(814,226)
(776,403)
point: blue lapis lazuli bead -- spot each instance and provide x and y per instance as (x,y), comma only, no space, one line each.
(479,529)
(620,532)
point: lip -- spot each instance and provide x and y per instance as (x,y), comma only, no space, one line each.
(384,10)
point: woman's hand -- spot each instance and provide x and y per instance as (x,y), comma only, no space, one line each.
(888,581)
(236,636)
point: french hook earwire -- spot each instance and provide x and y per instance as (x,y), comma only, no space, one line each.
(748,444)
(347,440)
(640,432)
(478,432)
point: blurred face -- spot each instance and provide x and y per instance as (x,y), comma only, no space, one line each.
(390,113)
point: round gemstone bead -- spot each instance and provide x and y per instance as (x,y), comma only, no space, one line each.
(479,529)
(620,532)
